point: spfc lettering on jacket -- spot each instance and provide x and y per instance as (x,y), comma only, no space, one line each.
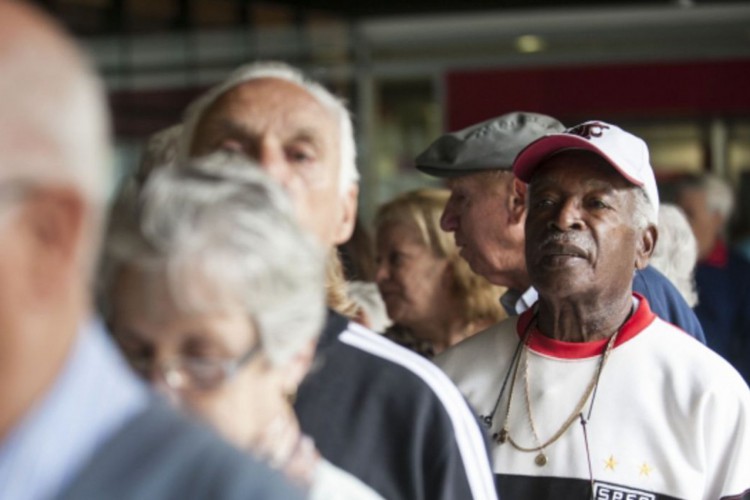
(606,491)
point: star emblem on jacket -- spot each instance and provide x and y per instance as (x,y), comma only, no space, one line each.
(646,470)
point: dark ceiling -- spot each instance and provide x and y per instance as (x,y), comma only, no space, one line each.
(104,17)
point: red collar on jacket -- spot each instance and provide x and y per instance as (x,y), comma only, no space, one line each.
(540,343)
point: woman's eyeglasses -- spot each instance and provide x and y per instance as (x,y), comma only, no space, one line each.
(192,373)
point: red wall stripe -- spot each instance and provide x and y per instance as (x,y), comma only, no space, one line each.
(629,91)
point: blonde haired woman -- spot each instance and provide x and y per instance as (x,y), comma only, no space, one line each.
(431,294)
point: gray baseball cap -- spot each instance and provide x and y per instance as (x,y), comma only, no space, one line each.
(490,145)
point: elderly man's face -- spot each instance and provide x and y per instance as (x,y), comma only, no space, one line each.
(295,139)
(487,227)
(581,240)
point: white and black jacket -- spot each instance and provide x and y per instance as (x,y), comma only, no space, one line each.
(392,418)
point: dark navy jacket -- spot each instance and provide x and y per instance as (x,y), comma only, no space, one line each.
(723,282)
(666,302)
(392,418)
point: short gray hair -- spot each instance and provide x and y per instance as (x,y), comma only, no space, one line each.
(719,195)
(348,173)
(676,251)
(233,230)
(644,214)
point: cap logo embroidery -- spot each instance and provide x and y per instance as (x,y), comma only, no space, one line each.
(589,130)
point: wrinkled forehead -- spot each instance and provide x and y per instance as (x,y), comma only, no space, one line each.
(270,102)
(479,180)
(158,291)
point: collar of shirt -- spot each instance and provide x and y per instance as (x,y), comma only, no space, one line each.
(515,302)
(93,396)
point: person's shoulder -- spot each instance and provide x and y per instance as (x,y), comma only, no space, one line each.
(691,362)
(160,453)
(651,281)
(481,348)
(395,388)
(666,301)
(374,349)
(379,366)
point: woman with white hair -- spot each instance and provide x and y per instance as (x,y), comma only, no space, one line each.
(676,251)
(216,297)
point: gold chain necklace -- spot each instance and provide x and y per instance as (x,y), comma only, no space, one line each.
(541,458)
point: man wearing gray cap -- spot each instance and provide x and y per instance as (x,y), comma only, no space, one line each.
(487,211)
(588,394)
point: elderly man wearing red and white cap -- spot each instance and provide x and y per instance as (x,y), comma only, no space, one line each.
(588,394)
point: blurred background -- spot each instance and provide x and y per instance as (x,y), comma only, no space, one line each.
(677,73)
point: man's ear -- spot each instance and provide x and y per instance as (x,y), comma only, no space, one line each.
(347,215)
(517,200)
(56,220)
(646,244)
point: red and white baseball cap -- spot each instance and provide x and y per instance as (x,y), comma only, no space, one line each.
(627,153)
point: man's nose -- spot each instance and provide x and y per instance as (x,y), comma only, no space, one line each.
(449,219)
(568,216)
(381,271)
(272,159)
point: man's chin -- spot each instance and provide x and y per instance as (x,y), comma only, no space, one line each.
(478,266)
(497,277)
(467,257)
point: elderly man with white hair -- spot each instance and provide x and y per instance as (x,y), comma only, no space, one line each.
(75,423)
(676,251)
(589,394)
(378,411)
(722,275)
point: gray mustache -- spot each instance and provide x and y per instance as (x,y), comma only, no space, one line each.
(557,239)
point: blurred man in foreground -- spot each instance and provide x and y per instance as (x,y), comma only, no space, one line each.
(74,421)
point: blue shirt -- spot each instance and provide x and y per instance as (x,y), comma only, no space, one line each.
(94,395)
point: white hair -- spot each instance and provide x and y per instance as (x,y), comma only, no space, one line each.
(719,195)
(223,233)
(348,173)
(676,251)
(160,150)
(644,214)
(54,124)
